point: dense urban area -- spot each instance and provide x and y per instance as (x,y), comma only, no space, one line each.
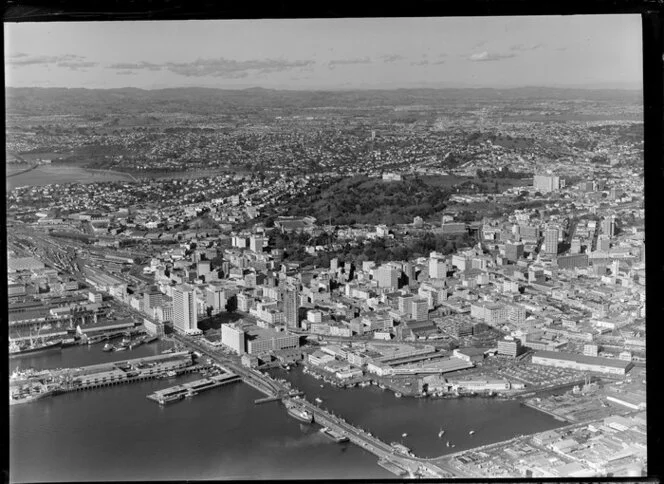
(441,244)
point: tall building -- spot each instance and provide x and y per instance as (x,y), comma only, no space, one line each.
(387,276)
(576,246)
(509,346)
(233,337)
(437,267)
(551,241)
(513,252)
(419,309)
(256,243)
(215,297)
(548,183)
(405,303)
(291,305)
(184,309)
(603,243)
(609,226)
(151,299)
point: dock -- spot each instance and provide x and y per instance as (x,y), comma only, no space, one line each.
(178,392)
(393,468)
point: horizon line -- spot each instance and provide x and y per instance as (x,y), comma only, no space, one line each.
(342,88)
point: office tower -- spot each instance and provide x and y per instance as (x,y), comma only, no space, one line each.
(405,303)
(151,299)
(513,252)
(387,276)
(609,226)
(576,246)
(291,305)
(546,183)
(256,243)
(419,309)
(215,297)
(233,337)
(551,241)
(437,267)
(184,309)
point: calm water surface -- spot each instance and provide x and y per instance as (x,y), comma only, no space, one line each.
(47,174)
(117,434)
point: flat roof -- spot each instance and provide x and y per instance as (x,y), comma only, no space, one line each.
(588,360)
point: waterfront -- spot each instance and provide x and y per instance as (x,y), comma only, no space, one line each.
(48,174)
(116,433)
(221,434)
(388,418)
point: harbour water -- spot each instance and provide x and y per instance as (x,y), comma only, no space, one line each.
(116,433)
(48,174)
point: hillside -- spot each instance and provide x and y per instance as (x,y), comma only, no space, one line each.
(41,101)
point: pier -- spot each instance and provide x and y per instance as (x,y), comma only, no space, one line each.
(190,389)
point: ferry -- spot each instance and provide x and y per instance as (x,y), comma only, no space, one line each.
(299,413)
(26,397)
(334,435)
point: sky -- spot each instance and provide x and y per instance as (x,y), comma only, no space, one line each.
(593,51)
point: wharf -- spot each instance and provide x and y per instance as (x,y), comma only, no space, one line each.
(190,389)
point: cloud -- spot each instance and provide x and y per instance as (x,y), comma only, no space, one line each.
(489,56)
(126,73)
(221,67)
(136,66)
(392,57)
(68,61)
(420,63)
(524,48)
(480,44)
(336,62)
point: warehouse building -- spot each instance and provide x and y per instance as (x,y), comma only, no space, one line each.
(582,362)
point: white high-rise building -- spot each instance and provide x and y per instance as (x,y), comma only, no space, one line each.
(437,267)
(184,309)
(387,276)
(233,336)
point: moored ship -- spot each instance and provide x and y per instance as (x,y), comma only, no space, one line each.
(334,435)
(15,350)
(298,412)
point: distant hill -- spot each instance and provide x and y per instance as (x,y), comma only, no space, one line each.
(33,100)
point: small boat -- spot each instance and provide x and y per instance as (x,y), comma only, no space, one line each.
(121,348)
(318,400)
(404,434)
(448,443)
(108,347)
(171,373)
(398,395)
(471,432)
(441,433)
(382,387)
(322,386)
